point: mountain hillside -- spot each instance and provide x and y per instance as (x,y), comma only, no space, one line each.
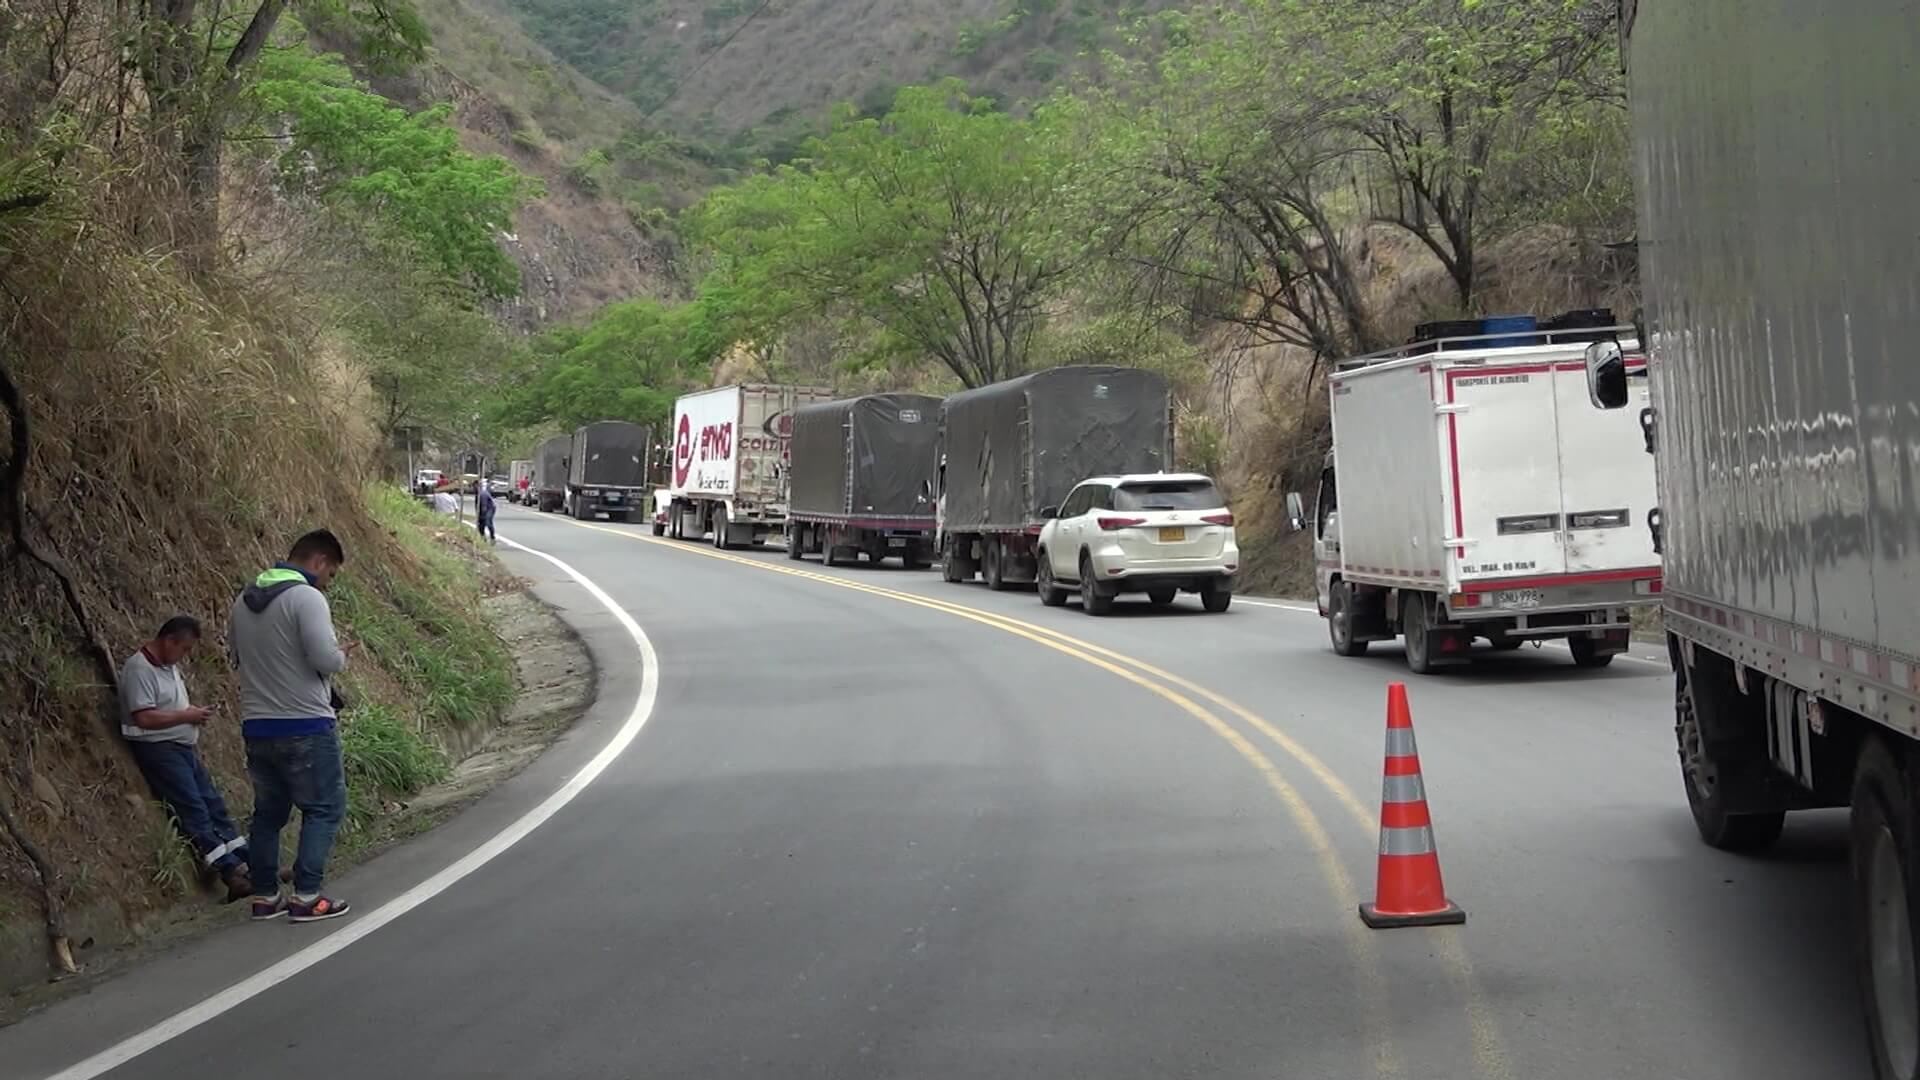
(795,57)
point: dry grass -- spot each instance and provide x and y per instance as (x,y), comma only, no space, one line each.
(184,432)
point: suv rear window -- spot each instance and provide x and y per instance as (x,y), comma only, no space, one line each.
(1168,495)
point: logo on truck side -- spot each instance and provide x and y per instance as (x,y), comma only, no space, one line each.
(715,443)
(683,451)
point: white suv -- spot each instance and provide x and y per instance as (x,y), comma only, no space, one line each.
(1157,533)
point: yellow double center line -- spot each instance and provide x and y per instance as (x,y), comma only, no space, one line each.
(1489,1058)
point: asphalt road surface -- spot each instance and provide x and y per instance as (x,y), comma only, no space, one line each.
(880,826)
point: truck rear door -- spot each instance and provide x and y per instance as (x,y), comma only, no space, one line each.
(1606,479)
(1501,445)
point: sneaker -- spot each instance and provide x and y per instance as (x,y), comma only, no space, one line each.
(320,907)
(269,907)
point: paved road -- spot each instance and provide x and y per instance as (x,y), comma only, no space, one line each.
(880,826)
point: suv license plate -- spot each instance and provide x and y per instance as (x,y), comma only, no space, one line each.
(1175,535)
(1517,598)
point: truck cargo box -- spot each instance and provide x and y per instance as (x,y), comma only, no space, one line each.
(1485,472)
(609,453)
(866,460)
(1015,447)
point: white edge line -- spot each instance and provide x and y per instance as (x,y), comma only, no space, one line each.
(357,928)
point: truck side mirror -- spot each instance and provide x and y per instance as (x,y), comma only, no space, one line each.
(1296,512)
(1048,513)
(1606,375)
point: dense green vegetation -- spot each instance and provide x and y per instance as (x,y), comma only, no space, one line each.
(1227,174)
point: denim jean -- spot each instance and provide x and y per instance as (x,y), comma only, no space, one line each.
(289,771)
(179,779)
(486,525)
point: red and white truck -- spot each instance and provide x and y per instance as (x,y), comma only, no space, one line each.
(1474,492)
(729,456)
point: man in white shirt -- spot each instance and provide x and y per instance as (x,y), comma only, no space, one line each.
(163,729)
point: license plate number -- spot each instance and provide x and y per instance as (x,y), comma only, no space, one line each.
(1174,535)
(896,541)
(1518,598)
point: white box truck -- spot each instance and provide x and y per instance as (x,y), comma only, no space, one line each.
(520,481)
(729,457)
(1778,149)
(1474,492)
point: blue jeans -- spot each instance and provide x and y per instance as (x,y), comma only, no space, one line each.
(290,771)
(486,525)
(179,779)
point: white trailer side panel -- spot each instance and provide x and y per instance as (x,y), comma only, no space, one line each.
(766,424)
(1390,475)
(706,438)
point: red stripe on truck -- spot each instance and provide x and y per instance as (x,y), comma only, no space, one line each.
(1643,573)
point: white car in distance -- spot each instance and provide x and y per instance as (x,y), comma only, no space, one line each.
(1157,533)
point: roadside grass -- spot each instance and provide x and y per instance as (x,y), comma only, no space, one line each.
(438,668)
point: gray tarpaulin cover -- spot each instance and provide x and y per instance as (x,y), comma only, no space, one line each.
(610,453)
(1020,445)
(864,456)
(550,463)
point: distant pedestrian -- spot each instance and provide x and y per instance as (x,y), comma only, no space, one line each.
(483,512)
(283,643)
(163,730)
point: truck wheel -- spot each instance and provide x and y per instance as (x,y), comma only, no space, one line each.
(720,539)
(1586,652)
(1161,597)
(1505,642)
(1094,597)
(992,566)
(912,559)
(1051,594)
(1216,594)
(659,528)
(796,540)
(1701,773)
(1340,620)
(1416,618)
(1881,833)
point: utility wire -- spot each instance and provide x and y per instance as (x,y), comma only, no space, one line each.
(688,77)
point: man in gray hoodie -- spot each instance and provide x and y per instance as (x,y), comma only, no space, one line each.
(282,639)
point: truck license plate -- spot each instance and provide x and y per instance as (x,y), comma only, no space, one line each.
(1518,598)
(1174,535)
(896,541)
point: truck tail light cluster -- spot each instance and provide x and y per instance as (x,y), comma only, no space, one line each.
(1460,600)
(1109,524)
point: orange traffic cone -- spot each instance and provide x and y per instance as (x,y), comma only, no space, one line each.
(1408,892)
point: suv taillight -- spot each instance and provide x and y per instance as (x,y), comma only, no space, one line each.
(1109,524)
(1224,518)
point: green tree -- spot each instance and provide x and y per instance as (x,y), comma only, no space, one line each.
(197,61)
(629,364)
(339,142)
(940,222)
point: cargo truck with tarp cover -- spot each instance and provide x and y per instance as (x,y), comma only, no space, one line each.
(607,471)
(729,461)
(1778,147)
(549,488)
(860,479)
(1473,493)
(1015,448)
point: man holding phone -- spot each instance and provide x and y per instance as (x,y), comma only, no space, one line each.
(282,639)
(163,730)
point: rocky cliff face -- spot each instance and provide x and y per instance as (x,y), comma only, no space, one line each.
(577,249)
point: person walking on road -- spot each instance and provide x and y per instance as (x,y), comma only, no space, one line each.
(483,508)
(163,731)
(284,646)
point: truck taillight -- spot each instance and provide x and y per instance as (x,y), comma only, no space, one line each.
(1218,519)
(1460,600)
(1109,524)
(1647,587)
